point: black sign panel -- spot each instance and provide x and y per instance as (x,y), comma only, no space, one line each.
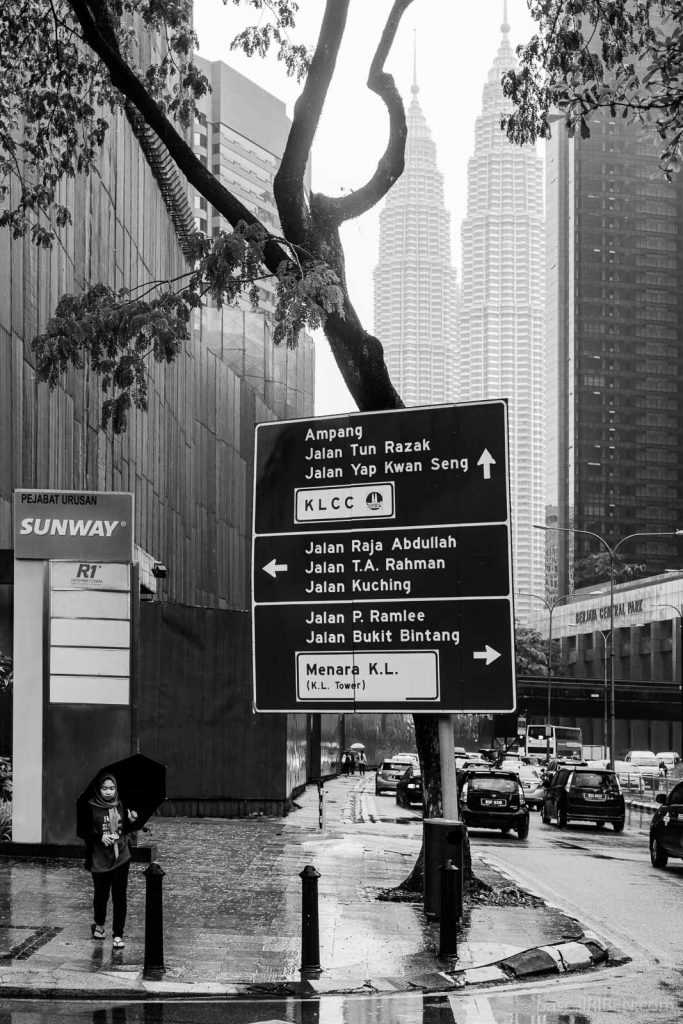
(381,562)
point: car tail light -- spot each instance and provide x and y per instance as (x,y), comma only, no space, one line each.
(463,792)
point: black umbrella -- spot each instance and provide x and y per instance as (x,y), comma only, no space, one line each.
(141,784)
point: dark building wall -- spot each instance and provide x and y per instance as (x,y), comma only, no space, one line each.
(615,385)
(187,459)
(194,702)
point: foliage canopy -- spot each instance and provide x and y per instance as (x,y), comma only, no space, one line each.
(67,66)
(619,56)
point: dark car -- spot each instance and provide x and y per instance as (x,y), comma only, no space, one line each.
(666,827)
(409,788)
(584,794)
(494,799)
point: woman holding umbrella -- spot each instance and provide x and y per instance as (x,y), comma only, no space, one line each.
(109,856)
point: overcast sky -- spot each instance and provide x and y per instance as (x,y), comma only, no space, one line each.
(456,42)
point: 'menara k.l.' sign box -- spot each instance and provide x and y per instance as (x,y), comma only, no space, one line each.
(381,562)
(84,525)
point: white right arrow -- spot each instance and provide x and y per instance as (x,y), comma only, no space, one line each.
(274,567)
(488,655)
(486,460)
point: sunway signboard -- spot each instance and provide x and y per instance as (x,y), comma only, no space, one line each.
(381,562)
(85,525)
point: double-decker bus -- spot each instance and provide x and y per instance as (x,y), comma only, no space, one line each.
(564,741)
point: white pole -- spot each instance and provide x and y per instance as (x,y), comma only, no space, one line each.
(449,789)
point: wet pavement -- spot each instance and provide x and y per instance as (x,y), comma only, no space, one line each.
(232,912)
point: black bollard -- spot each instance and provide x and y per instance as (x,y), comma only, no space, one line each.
(457,838)
(448,925)
(154,919)
(310,940)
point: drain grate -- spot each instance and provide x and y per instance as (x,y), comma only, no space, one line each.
(19,941)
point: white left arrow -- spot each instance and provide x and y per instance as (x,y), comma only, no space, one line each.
(488,655)
(486,460)
(273,568)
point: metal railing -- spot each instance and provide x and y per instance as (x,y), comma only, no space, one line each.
(648,786)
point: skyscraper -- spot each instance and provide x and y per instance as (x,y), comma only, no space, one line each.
(414,281)
(501,324)
(241,134)
(615,363)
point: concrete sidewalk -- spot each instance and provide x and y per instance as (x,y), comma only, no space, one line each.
(232,913)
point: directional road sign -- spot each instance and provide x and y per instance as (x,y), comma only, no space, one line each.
(381,573)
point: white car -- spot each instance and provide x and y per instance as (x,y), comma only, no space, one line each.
(629,775)
(532,784)
(406,757)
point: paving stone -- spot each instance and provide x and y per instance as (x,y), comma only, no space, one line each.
(575,956)
(483,975)
(530,961)
(232,909)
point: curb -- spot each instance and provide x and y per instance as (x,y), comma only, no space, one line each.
(557,959)
(538,961)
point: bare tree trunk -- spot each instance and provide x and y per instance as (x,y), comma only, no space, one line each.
(427,740)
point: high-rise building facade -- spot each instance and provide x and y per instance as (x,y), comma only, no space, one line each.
(240,135)
(189,462)
(502,321)
(415,290)
(614,357)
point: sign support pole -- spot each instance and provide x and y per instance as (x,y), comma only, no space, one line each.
(449,789)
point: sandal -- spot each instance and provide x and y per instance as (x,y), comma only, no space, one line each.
(117,942)
(97,931)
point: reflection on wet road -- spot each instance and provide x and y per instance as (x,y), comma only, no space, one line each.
(610,997)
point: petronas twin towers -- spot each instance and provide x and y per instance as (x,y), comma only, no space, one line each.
(415,284)
(487,341)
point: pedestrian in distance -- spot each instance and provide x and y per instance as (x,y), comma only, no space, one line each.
(345,764)
(352,764)
(362,761)
(108,857)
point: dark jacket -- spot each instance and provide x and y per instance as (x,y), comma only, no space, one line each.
(112,819)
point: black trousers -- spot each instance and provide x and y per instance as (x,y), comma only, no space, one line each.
(116,883)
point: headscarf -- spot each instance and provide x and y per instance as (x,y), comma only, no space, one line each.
(112,806)
(97,800)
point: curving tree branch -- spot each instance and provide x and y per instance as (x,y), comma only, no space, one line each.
(391,163)
(288,186)
(126,81)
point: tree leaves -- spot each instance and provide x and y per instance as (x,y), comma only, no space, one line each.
(118,332)
(591,55)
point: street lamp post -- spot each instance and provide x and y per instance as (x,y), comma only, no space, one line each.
(611,551)
(679,613)
(604,633)
(551,606)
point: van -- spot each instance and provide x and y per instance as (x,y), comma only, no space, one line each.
(646,761)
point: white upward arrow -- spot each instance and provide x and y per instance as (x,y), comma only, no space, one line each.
(488,655)
(486,460)
(273,568)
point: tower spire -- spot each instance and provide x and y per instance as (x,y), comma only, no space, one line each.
(415,87)
(505,27)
